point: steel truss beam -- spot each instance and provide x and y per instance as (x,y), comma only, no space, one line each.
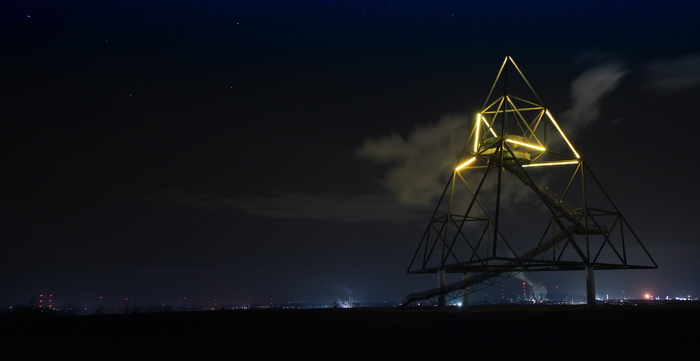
(519,172)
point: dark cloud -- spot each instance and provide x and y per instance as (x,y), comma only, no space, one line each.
(674,75)
(416,169)
(329,207)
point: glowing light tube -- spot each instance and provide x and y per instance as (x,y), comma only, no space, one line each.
(526,145)
(489,126)
(476,132)
(563,135)
(548,164)
(465,163)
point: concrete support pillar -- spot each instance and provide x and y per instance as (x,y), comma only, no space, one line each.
(465,298)
(442,282)
(590,286)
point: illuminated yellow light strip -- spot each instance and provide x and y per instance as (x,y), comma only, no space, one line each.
(565,162)
(526,145)
(510,110)
(538,106)
(484,110)
(476,131)
(489,125)
(465,163)
(563,135)
(519,114)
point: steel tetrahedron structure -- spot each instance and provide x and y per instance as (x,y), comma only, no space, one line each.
(520,198)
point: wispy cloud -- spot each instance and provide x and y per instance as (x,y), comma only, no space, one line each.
(417,165)
(416,169)
(331,207)
(674,75)
(419,161)
(587,92)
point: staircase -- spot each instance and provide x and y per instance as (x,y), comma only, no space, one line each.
(508,268)
(482,277)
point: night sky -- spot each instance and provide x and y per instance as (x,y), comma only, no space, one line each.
(293,151)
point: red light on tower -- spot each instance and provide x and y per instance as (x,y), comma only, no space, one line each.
(45,302)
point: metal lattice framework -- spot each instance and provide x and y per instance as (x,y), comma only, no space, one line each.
(520,199)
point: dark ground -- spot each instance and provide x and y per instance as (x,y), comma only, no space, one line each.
(532,332)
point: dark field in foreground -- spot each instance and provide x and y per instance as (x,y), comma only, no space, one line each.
(551,332)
